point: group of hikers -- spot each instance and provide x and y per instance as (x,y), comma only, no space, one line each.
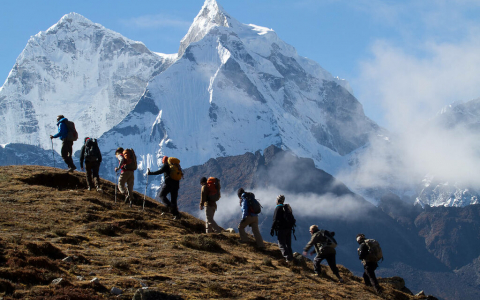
(283,225)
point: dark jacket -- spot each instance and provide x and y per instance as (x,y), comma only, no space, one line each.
(165,170)
(318,241)
(362,251)
(279,218)
(82,156)
(62,129)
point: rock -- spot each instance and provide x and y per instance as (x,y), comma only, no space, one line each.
(81,278)
(421,293)
(231,230)
(95,280)
(57,281)
(67,259)
(116,291)
(147,294)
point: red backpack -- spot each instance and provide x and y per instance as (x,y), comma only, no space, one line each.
(130,159)
(213,185)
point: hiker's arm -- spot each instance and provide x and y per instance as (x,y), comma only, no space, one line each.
(275,218)
(203,196)
(310,244)
(162,170)
(244,208)
(62,131)
(362,251)
(82,156)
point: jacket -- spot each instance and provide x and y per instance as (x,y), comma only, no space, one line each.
(279,219)
(318,241)
(165,170)
(204,199)
(244,206)
(82,156)
(62,129)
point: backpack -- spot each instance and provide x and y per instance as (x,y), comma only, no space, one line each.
(288,217)
(130,160)
(72,134)
(176,172)
(254,206)
(374,251)
(329,239)
(92,152)
(213,185)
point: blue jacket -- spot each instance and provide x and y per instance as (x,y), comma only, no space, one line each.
(244,206)
(62,129)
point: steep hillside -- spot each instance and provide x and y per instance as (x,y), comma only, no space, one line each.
(52,227)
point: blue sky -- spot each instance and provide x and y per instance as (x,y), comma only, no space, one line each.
(405,60)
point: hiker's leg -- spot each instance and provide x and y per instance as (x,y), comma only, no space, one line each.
(282,243)
(173,200)
(210,224)
(130,182)
(88,172)
(256,232)
(241,230)
(370,274)
(163,196)
(288,244)
(96,177)
(69,153)
(317,264)
(333,264)
(66,149)
(122,180)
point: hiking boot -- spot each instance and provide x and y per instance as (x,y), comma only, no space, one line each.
(70,170)
(377,289)
(89,188)
(99,189)
(177,217)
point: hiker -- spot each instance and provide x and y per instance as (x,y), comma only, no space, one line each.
(172,173)
(93,158)
(209,200)
(283,223)
(126,175)
(248,219)
(324,244)
(369,263)
(67,141)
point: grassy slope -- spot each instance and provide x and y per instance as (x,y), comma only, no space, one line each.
(48,214)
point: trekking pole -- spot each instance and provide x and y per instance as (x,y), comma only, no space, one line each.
(53,154)
(116,186)
(145,194)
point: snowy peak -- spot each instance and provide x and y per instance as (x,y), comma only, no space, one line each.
(211,15)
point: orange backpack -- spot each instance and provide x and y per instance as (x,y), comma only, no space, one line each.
(213,185)
(130,159)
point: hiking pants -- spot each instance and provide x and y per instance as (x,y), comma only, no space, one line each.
(285,243)
(210,224)
(253,222)
(126,178)
(91,168)
(172,203)
(369,274)
(67,153)
(331,260)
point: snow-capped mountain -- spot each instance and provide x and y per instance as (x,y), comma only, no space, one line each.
(239,88)
(77,68)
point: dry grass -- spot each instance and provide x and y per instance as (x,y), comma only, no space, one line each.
(48,215)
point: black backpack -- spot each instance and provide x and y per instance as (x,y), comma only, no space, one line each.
(288,218)
(330,240)
(92,152)
(253,204)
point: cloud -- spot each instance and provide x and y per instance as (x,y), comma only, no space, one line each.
(327,206)
(157,21)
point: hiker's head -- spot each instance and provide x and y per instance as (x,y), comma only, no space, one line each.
(313,229)
(203,180)
(59,117)
(86,139)
(360,238)
(280,199)
(240,192)
(119,151)
(164,159)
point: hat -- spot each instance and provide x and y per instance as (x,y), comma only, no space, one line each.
(280,198)
(164,159)
(59,117)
